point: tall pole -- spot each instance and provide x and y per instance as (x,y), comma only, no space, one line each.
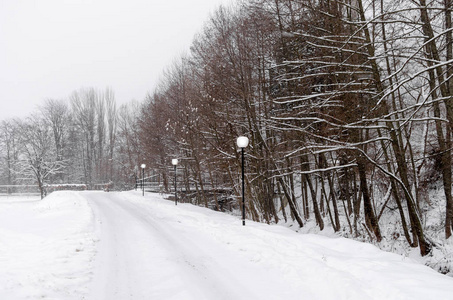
(174,162)
(243,142)
(176,197)
(243,188)
(143,181)
(143,166)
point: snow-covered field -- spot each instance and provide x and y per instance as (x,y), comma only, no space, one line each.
(46,247)
(97,245)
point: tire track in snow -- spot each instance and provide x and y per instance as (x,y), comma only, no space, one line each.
(140,258)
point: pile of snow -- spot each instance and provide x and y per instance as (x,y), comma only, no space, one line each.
(46,247)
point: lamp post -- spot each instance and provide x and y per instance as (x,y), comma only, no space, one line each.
(174,162)
(242,143)
(143,166)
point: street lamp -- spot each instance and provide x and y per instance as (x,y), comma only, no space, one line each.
(143,166)
(242,143)
(174,162)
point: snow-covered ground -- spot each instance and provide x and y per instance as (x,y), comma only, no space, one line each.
(97,245)
(46,247)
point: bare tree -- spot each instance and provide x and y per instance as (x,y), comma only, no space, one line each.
(83,105)
(37,160)
(111,126)
(9,137)
(56,114)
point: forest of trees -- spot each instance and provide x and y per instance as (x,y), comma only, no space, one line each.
(348,106)
(84,139)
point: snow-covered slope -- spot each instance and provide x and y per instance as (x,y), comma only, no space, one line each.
(96,245)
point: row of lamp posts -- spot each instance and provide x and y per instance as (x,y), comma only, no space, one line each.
(174,162)
(242,142)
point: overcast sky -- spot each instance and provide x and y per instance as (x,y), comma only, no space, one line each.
(49,48)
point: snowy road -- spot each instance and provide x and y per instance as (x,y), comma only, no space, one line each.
(143,256)
(151,249)
(119,246)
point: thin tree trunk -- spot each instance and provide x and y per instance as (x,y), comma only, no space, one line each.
(292,205)
(306,167)
(370,218)
(282,204)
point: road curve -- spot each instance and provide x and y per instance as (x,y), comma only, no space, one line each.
(142,256)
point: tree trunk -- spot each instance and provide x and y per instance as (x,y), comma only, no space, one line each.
(292,205)
(370,218)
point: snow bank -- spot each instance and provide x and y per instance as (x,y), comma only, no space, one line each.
(46,247)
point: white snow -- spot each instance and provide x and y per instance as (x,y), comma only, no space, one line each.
(46,247)
(100,245)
